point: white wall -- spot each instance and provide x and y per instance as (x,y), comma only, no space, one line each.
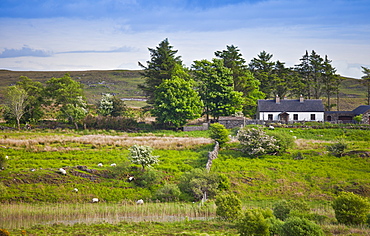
(302,116)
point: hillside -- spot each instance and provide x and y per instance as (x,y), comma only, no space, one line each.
(124,83)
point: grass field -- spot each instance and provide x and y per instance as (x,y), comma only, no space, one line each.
(31,186)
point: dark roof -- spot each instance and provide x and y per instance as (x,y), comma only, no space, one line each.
(361,109)
(285,105)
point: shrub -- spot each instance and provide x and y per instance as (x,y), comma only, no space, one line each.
(256,142)
(199,181)
(149,178)
(337,148)
(284,141)
(351,209)
(283,208)
(255,222)
(219,133)
(300,227)
(142,155)
(169,192)
(4,232)
(229,207)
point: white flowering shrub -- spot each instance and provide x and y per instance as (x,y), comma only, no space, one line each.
(254,141)
(106,105)
(142,155)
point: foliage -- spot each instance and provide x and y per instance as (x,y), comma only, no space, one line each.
(229,207)
(254,141)
(255,222)
(142,155)
(105,107)
(197,181)
(4,232)
(366,82)
(176,102)
(283,140)
(163,61)
(219,133)
(16,102)
(358,118)
(283,208)
(215,86)
(151,179)
(74,112)
(244,80)
(300,227)
(337,148)
(351,209)
(168,193)
(110,123)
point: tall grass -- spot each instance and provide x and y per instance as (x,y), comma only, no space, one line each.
(14,216)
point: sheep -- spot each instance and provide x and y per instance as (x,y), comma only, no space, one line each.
(130,179)
(100,164)
(62,171)
(271,127)
(75,190)
(95,200)
(6,157)
(140,202)
(113,164)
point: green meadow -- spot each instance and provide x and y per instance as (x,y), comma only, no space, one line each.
(37,198)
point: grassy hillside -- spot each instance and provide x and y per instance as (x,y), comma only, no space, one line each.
(124,84)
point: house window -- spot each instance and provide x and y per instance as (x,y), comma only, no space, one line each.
(269,116)
(313,117)
(295,116)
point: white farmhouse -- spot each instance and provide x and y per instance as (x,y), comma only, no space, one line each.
(288,110)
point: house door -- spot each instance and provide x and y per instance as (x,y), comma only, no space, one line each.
(284,117)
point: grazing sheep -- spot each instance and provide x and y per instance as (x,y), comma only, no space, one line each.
(33,170)
(140,202)
(6,157)
(95,200)
(271,127)
(75,190)
(100,164)
(113,164)
(130,179)
(62,171)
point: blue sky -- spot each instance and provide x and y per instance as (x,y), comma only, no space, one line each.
(73,35)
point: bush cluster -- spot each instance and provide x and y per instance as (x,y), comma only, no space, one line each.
(108,122)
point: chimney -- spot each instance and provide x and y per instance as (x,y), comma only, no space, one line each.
(277,99)
(301,99)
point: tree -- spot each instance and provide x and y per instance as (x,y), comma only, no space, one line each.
(244,80)
(285,81)
(330,81)
(16,102)
(35,99)
(142,155)
(160,67)
(300,226)
(351,209)
(176,102)
(216,88)
(67,95)
(366,82)
(262,67)
(255,222)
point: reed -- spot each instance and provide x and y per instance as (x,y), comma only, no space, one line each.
(22,215)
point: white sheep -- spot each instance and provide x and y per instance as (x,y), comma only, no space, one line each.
(100,164)
(113,164)
(75,190)
(130,179)
(95,200)
(271,127)
(6,157)
(140,202)
(62,171)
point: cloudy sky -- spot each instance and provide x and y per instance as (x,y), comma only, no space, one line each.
(73,35)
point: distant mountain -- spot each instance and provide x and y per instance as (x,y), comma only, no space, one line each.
(124,84)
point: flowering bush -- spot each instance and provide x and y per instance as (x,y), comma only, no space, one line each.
(142,155)
(254,141)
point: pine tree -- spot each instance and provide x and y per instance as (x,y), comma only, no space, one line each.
(160,67)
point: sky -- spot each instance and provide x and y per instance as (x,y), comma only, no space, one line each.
(70,35)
